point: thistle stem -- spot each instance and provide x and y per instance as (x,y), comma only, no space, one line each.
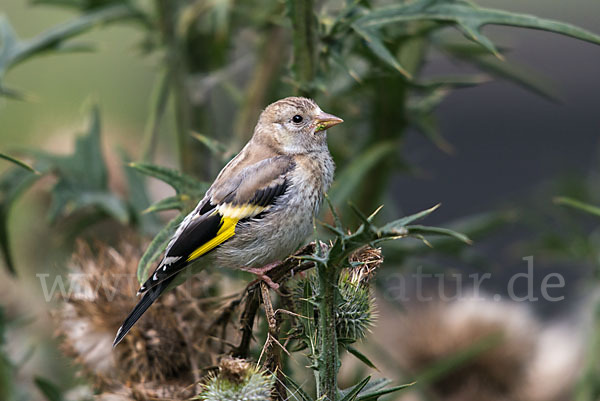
(177,67)
(304,39)
(328,360)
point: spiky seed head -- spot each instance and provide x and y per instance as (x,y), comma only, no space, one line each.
(355,313)
(237,380)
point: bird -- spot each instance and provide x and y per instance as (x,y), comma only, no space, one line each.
(261,206)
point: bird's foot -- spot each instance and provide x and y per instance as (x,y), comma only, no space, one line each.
(260,273)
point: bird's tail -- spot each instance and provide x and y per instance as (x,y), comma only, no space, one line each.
(149,297)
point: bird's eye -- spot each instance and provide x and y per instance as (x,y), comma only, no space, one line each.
(297,119)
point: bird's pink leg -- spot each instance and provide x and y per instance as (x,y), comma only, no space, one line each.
(260,272)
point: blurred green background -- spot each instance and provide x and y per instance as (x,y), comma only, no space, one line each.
(511,150)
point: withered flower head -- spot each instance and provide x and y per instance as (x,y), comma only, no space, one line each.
(161,357)
(498,336)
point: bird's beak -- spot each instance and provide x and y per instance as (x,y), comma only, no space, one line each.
(325,121)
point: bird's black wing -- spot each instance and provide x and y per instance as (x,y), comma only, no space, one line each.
(210,224)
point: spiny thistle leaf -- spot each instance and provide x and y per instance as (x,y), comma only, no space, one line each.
(400,223)
(467,17)
(360,356)
(473,227)
(375,385)
(373,396)
(297,390)
(352,393)
(83,178)
(421,230)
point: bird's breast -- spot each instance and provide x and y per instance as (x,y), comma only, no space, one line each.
(287,223)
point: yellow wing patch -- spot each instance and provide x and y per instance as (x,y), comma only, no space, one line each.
(231,215)
(240,211)
(226,231)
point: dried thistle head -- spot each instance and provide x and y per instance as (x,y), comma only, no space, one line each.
(363,264)
(237,379)
(500,334)
(161,356)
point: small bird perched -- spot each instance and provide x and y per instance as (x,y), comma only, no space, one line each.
(260,208)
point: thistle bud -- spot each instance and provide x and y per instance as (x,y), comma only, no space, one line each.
(237,380)
(355,312)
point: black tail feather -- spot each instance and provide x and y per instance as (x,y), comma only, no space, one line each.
(141,307)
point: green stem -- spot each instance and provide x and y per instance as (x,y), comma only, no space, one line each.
(328,361)
(177,67)
(160,96)
(304,39)
(268,66)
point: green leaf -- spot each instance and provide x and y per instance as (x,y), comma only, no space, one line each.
(475,227)
(170,203)
(182,183)
(373,396)
(14,50)
(351,394)
(375,385)
(13,183)
(156,248)
(349,180)
(402,222)
(79,4)
(467,17)
(476,55)
(212,144)
(297,389)
(427,230)
(375,43)
(575,204)
(17,162)
(361,357)
(428,127)
(49,389)
(138,199)
(83,178)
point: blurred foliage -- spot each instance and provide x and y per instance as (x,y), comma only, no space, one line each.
(360,59)
(81,192)
(17,162)
(581,242)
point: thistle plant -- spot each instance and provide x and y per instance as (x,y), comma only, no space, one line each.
(361,60)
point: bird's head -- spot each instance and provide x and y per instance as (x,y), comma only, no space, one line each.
(295,125)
